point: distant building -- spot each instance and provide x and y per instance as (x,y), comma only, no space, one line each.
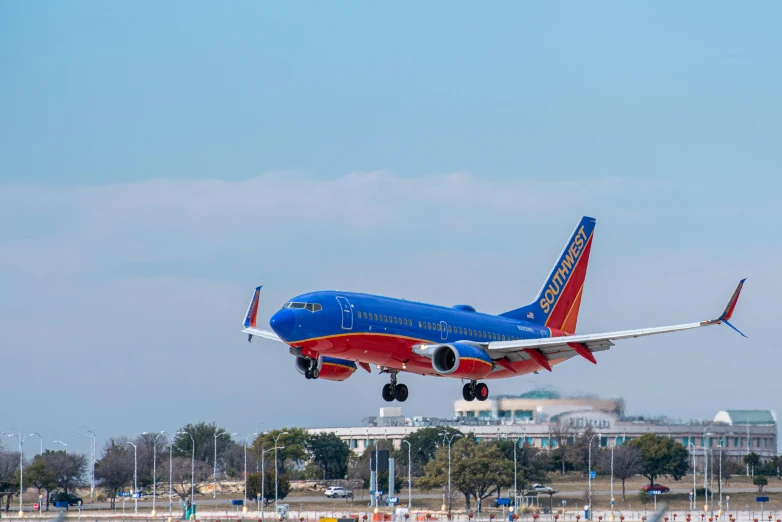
(543,418)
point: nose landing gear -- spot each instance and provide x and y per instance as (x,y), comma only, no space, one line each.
(475,390)
(393,390)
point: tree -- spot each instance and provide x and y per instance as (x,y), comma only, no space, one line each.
(752,459)
(9,475)
(424,443)
(182,468)
(56,470)
(330,453)
(204,436)
(295,443)
(661,456)
(628,462)
(41,478)
(560,434)
(151,446)
(760,481)
(115,468)
(477,469)
(254,485)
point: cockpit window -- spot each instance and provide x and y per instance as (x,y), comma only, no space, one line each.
(312,307)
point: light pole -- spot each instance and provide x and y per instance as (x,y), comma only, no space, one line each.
(263,476)
(170,471)
(61,442)
(91,435)
(276,487)
(192,467)
(154,468)
(18,434)
(135,475)
(409,474)
(705,469)
(693,500)
(515,483)
(450,440)
(616,439)
(246,442)
(214,474)
(590,472)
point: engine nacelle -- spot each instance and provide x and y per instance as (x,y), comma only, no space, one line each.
(329,368)
(461,360)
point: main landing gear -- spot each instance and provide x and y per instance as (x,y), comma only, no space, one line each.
(393,390)
(475,390)
(312,371)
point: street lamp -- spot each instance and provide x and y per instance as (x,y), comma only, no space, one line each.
(409,474)
(693,501)
(154,469)
(192,466)
(706,469)
(590,472)
(170,471)
(263,476)
(276,487)
(515,483)
(135,475)
(246,442)
(214,474)
(61,442)
(18,434)
(450,440)
(91,435)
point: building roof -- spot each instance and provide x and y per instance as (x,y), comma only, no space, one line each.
(734,417)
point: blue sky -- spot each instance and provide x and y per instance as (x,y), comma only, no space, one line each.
(158,160)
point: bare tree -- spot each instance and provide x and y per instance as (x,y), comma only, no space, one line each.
(115,469)
(560,434)
(149,444)
(9,475)
(181,470)
(628,462)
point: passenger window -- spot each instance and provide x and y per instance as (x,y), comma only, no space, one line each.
(419,324)
(449,329)
(385,318)
(375,317)
(429,325)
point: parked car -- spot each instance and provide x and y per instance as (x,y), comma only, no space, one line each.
(540,488)
(338,492)
(71,499)
(656,487)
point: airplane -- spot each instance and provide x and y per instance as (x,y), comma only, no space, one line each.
(331,333)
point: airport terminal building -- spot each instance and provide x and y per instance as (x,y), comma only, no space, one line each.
(542,418)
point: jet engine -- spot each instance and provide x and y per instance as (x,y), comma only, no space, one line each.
(461,360)
(327,368)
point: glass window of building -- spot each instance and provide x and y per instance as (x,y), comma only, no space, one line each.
(523,415)
(504,414)
(485,414)
(470,414)
(603,442)
(544,442)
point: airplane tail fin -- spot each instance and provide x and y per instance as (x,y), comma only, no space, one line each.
(558,301)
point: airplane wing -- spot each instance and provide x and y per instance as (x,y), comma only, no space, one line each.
(251,320)
(546,349)
(266,334)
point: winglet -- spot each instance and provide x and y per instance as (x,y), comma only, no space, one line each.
(251,317)
(728,312)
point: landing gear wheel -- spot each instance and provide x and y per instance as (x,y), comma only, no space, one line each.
(468,392)
(308,373)
(315,373)
(401,392)
(481,392)
(388,393)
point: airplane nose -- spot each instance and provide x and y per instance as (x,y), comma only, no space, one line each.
(283,322)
